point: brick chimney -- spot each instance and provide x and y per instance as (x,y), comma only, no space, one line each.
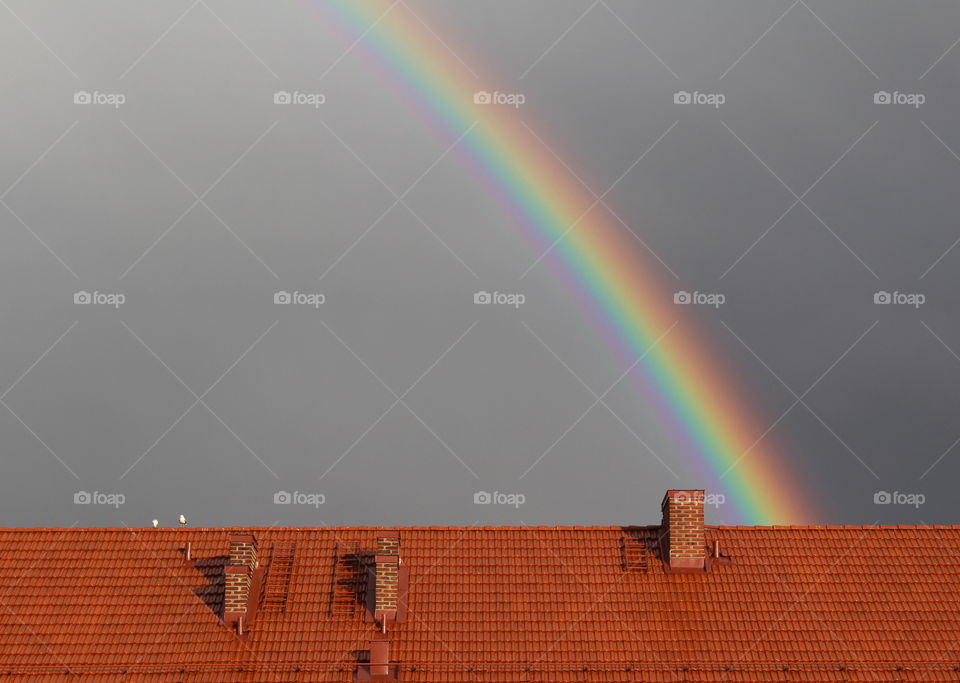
(387,575)
(238,579)
(243,550)
(682,537)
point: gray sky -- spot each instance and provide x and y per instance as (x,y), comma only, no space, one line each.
(197,198)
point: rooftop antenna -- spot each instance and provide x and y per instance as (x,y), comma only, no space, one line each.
(156,523)
(183,520)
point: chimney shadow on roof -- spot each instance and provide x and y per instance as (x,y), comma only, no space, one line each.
(366,575)
(360,662)
(212,569)
(639,547)
(353,571)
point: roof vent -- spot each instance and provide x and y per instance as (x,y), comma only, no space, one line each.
(380,655)
(379,667)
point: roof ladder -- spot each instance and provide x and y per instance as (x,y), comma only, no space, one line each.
(349,580)
(635,555)
(277,587)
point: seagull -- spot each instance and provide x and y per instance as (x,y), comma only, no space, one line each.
(156,523)
(183,520)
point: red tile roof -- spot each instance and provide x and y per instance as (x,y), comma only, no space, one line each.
(489,604)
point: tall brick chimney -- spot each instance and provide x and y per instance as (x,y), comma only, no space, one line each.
(387,575)
(682,537)
(238,579)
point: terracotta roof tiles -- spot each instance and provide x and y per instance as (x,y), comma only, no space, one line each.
(490,604)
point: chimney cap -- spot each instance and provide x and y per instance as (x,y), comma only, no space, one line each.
(243,538)
(683,494)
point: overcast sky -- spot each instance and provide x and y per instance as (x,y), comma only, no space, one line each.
(185,198)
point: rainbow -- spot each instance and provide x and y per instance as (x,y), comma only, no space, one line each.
(606,271)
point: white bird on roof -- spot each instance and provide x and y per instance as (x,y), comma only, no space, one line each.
(156,523)
(183,520)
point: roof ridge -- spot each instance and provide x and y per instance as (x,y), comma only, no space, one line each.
(329,528)
(830,527)
(558,527)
